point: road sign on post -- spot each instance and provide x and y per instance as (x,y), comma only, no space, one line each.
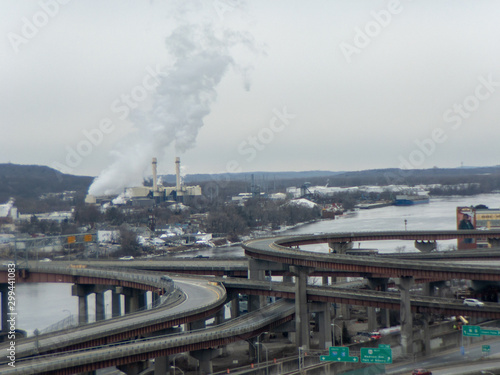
(472,331)
(476,331)
(382,355)
(485,348)
(338,354)
(490,332)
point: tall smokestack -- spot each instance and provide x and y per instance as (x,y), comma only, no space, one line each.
(155,186)
(178,174)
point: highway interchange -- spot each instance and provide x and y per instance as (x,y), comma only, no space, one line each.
(273,250)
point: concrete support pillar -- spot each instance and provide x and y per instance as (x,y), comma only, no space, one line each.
(220,316)
(333,280)
(339,247)
(323,322)
(155,299)
(100,306)
(427,289)
(385,318)
(404,284)
(301,313)
(379,283)
(115,304)
(372,318)
(199,324)
(131,299)
(235,307)
(205,356)
(287,278)
(4,289)
(345,311)
(142,300)
(83,309)
(162,365)
(256,271)
(426,246)
(82,291)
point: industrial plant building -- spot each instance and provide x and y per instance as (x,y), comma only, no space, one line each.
(151,195)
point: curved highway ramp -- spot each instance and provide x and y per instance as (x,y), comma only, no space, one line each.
(94,358)
(202,299)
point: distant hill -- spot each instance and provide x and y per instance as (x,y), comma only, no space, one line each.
(487,177)
(247,176)
(349,178)
(30,181)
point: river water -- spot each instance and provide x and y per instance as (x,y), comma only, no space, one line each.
(41,305)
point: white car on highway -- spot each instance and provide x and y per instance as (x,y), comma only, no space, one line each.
(473,302)
(127,257)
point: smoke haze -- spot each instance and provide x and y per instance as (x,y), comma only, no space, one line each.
(201,56)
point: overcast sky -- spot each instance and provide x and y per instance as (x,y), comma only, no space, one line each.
(258,86)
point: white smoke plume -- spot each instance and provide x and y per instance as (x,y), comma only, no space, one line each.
(201,57)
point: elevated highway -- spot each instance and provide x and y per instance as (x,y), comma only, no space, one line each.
(346,237)
(204,298)
(281,251)
(238,267)
(283,256)
(198,306)
(362,297)
(285,253)
(134,351)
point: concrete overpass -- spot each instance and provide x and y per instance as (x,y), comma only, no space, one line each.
(278,256)
(204,299)
(135,351)
(284,253)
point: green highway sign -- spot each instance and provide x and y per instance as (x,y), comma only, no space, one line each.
(485,348)
(473,331)
(376,355)
(338,354)
(490,332)
(476,331)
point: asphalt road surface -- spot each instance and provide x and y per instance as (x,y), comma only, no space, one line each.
(453,362)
